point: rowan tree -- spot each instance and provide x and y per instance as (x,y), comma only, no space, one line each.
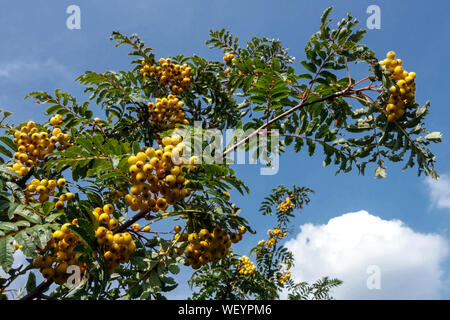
(84,192)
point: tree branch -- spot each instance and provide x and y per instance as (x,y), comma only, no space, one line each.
(128,223)
(286,113)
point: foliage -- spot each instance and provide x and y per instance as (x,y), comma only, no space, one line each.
(223,280)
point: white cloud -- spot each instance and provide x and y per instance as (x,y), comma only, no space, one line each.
(348,245)
(439,191)
(19,68)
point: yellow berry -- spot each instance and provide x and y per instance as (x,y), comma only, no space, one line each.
(141,156)
(100,232)
(390,55)
(61,182)
(59,205)
(58,235)
(113,223)
(193,238)
(132,160)
(161,203)
(108,208)
(104,218)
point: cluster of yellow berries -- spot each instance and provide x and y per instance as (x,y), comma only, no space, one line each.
(176,77)
(207,246)
(43,189)
(116,195)
(284,277)
(56,120)
(229,58)
(153,172)
(404,90)
(275,235)
(33,146)
(59,255)
(166,113)
(117,247)
(286,205)
(246,267)
(103,216)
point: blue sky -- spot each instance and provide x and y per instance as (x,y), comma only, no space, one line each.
(40,53)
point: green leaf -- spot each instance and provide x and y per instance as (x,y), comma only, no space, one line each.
(27,214)
(305,76)
(173,268)
(325,14)
(22,224)
(15,188)
(136,147)
(98,141)
(258,99)
(53,217)
(8,226)
(28,247)
(31,282)
(5,151)
(41,235)
(53,109)
(47,207)
(154,279)
(311,147)
(309,66)
(86,144)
